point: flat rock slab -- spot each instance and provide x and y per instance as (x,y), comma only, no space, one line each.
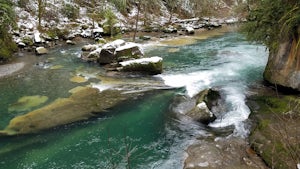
(225,153)
(81,105)
(9,69)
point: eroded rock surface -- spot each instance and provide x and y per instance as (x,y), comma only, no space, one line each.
(81,105)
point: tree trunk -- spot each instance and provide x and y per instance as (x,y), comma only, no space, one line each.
(136,21)
(171,15)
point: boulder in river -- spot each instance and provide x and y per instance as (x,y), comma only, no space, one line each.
(89,47)
(129,49)
(41,51)
(115,51)
(152,65)
(107,56)
(200,108)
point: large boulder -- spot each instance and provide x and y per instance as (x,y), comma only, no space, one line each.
(152,65)
(92,56)
(107,56)
(37,38)
(204,107)
(129,49)
(41,51)
(114,44)
(283,68)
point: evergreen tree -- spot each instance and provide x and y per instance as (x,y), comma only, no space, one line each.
(273,21)
(7,22)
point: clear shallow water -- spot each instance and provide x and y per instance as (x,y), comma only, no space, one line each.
(154,136)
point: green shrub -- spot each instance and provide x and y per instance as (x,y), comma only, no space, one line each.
(7,49)
(70,11)
(7,21)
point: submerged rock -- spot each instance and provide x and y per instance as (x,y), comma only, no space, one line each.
(27,102)
(84,103)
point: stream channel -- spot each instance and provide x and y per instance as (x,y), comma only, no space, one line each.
(145,127)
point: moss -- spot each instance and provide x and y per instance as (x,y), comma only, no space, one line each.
(263,124)
(78,79)
(27,102)
(275,137)
(150,68)
(28,41)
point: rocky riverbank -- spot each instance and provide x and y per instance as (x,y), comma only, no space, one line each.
(275,134)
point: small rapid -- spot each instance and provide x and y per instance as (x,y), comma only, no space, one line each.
(228,63)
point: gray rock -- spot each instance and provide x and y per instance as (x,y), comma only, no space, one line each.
(107,55)
(129,49)
(190,30)
(283,68)
(151,66)
(41,51)
(89,47)
(203,107)
(69,42)
(91,56)
(21,45)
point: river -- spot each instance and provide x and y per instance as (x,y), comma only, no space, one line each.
(142,132)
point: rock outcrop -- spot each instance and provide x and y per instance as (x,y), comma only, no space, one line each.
(275,130)
(283,66)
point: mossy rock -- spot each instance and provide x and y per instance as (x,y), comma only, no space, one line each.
(151,68)
(276,131)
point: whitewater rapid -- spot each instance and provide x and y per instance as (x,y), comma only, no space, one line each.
(232,70)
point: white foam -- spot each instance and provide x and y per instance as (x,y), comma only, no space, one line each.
(193,82)
(101,87)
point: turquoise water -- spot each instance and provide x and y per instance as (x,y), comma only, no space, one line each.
(142,132)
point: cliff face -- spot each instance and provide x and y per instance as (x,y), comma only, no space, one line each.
(283,66)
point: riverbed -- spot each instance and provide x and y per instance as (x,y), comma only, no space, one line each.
(142,132)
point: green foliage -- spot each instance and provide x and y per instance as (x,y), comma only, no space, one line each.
(110,21)
(270,22)
(7,22)
(55,32)
(70,11)
(119,4)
